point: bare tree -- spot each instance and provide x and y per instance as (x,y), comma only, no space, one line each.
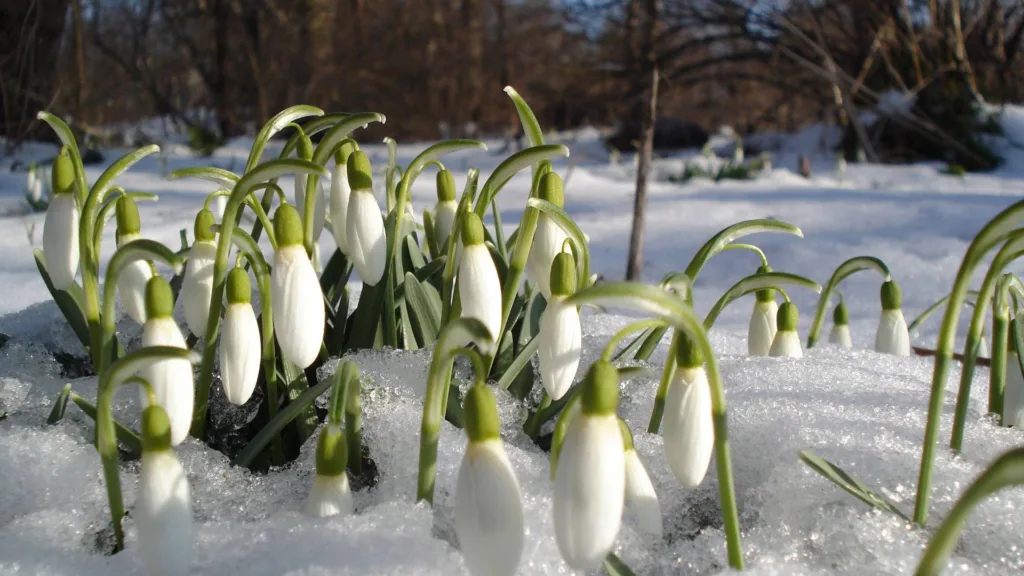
(636,239)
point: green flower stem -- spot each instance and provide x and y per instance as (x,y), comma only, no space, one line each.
(248,248)
(751,247)
(270,190)
(997,371)
(131,252)
(994,232)
(851,266)
(533,423)
(972,296)
(243,188)
(275,125)
(1011,250)
(453,337)
(214,194)
(390,173)
(448,276)
(667,373)
(354,424)
(561,429)
(1007,470)
(609,348)
(262,218)
(106,435)
(754,283)
(658,302)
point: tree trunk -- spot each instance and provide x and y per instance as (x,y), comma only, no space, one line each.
(471,20)
(634,267)
(76,16)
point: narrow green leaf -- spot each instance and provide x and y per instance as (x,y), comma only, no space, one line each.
(67,137)
(284,417)
(296,383)
(614,566)
(851,266)
(221,177)
(330,141)
(413,255)
(60,405)
(531,127)
(425,311)
(510,167)
(132,443)
(754,283)
(719,241)
(123,163)
(275,125)
(70,301)
(520,362)
(855,487)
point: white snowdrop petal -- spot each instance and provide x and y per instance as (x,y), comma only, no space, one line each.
(329,496)
(240,352)
(197,285)
(688,427)
(298,306)
(131,288)
(786,344)
(163,515)
(60,240)
(762,328)
(479,288)
(340,193)
(589,495)
(364,227)
(444,220)
(547,243)
(641,497)
(892,336)
(1013,393)
(560,346)
(171,379)
(489,511)
(840,336)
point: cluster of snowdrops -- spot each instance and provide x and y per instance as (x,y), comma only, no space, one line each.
(447,283)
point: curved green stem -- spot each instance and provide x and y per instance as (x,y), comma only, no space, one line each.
(851,266)
(573,231)
(609,348)
(1007,470)
(107,212)
(275,125)
(754,283)
(972,296)
(997,370)
(751,247)
(994,232)
(1010,251)
(722,239)
(452,339)
(656,301)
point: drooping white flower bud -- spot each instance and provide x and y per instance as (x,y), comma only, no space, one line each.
(761,331)
(330,494)
(549,237)
(298,305)
(197,283)
(561,337)
(171,380)
(787,341)
(689,429)
(642,500)
(131,284)
(479,287)
(240,350)
(488,506)
(590,480)
(892,337)
(163,507)
(60,228)
(840,335)
(341,192)
(364,225)
(444,211)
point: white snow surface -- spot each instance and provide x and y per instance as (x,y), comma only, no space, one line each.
(862,410)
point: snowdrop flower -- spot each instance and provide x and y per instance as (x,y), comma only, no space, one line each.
(787,341)
(488,505)
(34,184)
(340,193)
(298,304)
(197,283)
(444,211)
(892,336)
(330,495)
(590,480)
(240,340)
(689,431)
(479,288)
(131,285)
(561,338)
(640,494)
(305,152)
(364,225)
(1013,392)
(163,509)
(171,380)
(60,228)
(549,237)
(762,327)
(840,335)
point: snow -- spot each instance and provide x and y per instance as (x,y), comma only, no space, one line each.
(862,410)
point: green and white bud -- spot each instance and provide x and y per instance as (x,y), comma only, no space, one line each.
(762,329)
(561,336)
(840,335)
(787,341)
(60,228)
(549,237)
(131,284)
(447,206)
(489,518)
(364,224)
(892,337)
(197,283)
(689,430)
(170,379)
(479,287)
(590,480)
(641,498)
(330,494)
(163,507)
(240,350)
(297,303)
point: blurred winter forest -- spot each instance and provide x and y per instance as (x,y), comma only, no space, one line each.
(436,68)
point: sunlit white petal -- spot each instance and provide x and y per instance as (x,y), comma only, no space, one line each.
(762,328)
(840,336)
(239,352)
(489,511)
(364,227)
(444,220)
(688,427)
(171,379)
(641,497)
(892,336)
(319,207)
(131,286)
(163,515)
(547,243)
(60,240)
(197,285)
(786,344)
(298,306)
(329,496)
(560,346)
(479,288)
(340,193)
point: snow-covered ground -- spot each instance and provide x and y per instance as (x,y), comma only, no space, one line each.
(862,410)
